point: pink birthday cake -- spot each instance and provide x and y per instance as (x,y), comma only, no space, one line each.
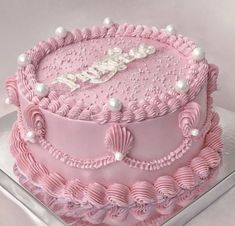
(115,123)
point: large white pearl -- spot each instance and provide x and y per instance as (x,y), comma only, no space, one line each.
(61,32)
(170,29)
(114,104)
(7,101)
(31,136)
(41,90)
(182,86)
(195,132)
(118,156)
(23,60)
(198,53)
(108,22)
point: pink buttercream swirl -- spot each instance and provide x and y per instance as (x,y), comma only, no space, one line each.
(142,192)
(117,194)
(211,156)
(185,178)
(212,78)
(165,187)
(35,119)
(12,91)
(95,194)
(189,118)
(200,167)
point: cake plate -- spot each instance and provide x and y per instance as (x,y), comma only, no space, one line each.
(33,211)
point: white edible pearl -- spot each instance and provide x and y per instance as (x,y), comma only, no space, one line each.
(61,32)
(198,53)
(41,90)
(182,86)
(118,156)
(195,132)
(31,136)
(108,22)
(114,104)
(23,60)
(170,29)
(7,100)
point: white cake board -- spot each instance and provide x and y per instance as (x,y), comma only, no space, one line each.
(22,199)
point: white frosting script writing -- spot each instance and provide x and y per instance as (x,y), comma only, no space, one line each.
(104,69)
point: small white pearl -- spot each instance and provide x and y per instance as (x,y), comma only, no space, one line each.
(23,60)
(118,156)
(198,53)
(114,104)
(170,29)
(108,22)
(7,101)
(41,90)
(31,136)
(182,86)
(61,32)
(195,132)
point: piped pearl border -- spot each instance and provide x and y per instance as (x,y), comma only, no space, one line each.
(173,101)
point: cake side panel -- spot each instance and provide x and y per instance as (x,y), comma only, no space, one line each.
(153,139)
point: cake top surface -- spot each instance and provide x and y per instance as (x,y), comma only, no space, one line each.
(120,73)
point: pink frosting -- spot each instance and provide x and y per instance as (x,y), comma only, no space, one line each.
(212,157)
(185,178)
(35,119)
(165,187)
(189,118)
(212,78)
(200,167)
(12,91)
(119,139)
(117,194)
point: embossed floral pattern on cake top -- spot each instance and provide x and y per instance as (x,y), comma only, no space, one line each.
(104,69)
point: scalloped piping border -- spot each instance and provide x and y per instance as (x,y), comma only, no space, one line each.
(73,219)
(26,76)
(140,198)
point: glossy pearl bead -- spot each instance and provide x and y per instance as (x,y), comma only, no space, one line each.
(198,53)
(195,132)
(23,60)
(182,86)
(118,156)
(170,29)
(41,90)
(108,22)
(61,32)
(114,104)
(31,136)
(7,101)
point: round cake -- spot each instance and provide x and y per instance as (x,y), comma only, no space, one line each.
(115,123)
